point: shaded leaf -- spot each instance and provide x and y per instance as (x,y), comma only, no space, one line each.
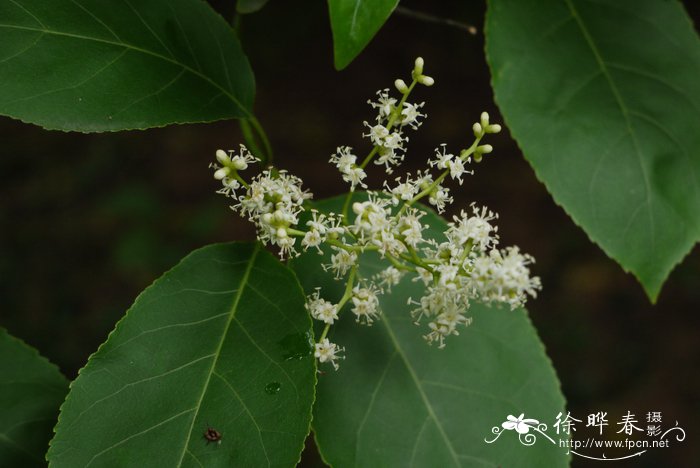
(31,391)
(249,6)
(604,100)
(207,345)
(93,66)
(396,401)
(354,24)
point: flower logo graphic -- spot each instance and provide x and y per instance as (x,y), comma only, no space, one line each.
(520,424)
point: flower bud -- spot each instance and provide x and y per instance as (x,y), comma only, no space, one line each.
(478,131)
(239,163)
(418,67)
(484,149)
(282,233)
(401,86)
(484,119)
(493,128)
(426,80)
(222,156)
(221,173)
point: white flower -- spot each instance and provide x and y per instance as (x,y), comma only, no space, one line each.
(424,275)
(273,202)
(384,104)
(372,216)
(365,304)
(410,227)
(404,190)
(228,165)
(320,309)
(445,325)
(440,197)
(388,157)
(325,351)
(355,176)
(341,262)
(504,276)
(343,158)
(389,277)
(393,141)
(410,115)
(457,169)
(442,158)
(345,162)
(476,229)
(377,134)
(388,244)
(312,238)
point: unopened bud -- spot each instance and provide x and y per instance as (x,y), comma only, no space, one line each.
(426,80)
(484,119)
(478,131)
(484,149)
(239,163)
(222,156)
(281,233)
(221,173)
(357,208)
(401,86)
(418,66)
(493,128)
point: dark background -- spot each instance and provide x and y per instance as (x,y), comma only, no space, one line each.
(88,221)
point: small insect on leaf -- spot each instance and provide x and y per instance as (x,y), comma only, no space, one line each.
(212,435)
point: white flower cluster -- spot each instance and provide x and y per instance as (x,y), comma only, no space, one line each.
(467,266)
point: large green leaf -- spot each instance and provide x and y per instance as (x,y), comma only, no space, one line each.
(31,390)
(95,65)
(220,341)
(604,99)
(354,24)
(396,401)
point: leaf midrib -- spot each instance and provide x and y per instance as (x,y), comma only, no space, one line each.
(623,110)
(217,353)
(136,49)
(416,381)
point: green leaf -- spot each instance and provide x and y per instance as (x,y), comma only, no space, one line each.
(31,390)
(94,65)
(220,341)
(245,7)
(396,401)
(604,100)
(354,24)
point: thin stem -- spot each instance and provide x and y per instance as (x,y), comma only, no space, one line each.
(263,137)
(240,179)
(346,297)
(392,120)
(251,143)
(422,16)
(253,133)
